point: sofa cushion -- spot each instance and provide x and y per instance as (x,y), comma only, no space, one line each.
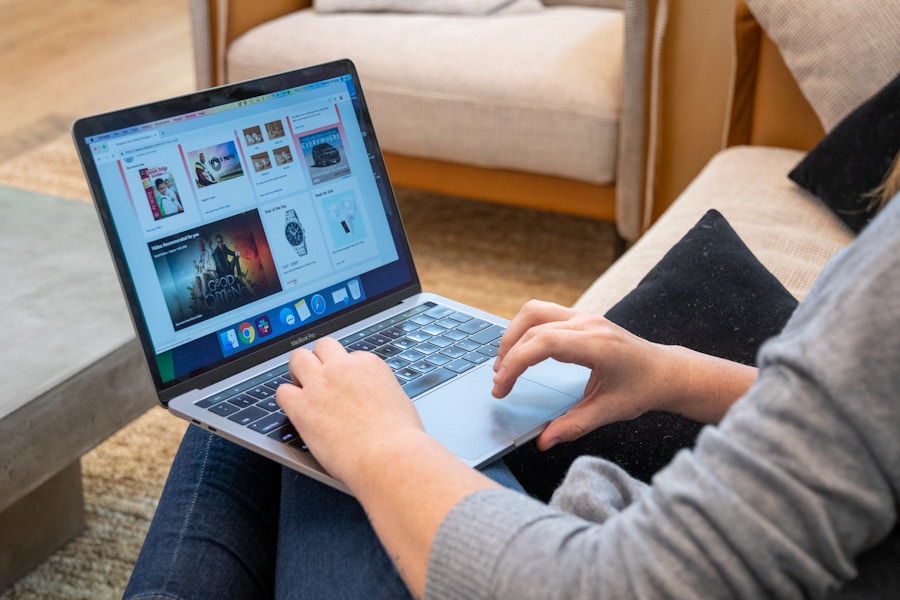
(498,92)
(839,52)
(791,232)
(708,293)
(854,158)
(449,7)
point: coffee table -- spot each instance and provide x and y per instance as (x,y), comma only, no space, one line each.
(70,366)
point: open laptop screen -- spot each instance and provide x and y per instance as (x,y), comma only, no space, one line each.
(242,217)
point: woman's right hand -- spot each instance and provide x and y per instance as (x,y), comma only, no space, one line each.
(629,375)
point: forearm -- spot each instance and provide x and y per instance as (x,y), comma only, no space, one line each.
(407,486)
(704,387)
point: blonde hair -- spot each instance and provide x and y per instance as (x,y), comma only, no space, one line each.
(890,187)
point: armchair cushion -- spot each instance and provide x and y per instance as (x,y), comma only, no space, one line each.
(854,158)
(619,4)
(447,7)
(839,52)
(497,93)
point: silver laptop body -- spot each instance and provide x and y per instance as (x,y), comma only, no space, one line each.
(251,219)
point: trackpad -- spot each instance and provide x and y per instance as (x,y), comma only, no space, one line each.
(475,426)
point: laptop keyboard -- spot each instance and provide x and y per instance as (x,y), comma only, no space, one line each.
(424,346)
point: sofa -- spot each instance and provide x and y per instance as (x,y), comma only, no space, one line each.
(729,135)
(541,106)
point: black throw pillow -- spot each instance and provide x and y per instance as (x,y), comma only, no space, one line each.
(708,293)
(854,158)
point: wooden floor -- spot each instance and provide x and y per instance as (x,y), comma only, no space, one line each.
(63,60)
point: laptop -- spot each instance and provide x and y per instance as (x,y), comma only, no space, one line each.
(252,219)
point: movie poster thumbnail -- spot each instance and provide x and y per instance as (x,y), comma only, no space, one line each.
(215,164)
(210,270)
(161,192)
(261,162)
(275,129)
(324,154)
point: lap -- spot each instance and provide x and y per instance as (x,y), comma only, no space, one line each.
(233,524)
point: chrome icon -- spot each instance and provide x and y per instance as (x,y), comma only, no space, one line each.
(246,332)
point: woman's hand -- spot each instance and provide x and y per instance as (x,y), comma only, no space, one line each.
(629,375)
(345,405)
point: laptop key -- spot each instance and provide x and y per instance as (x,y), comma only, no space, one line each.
(447,323)
(419,336)
(489,350)
(207,402)
(441,342)
(455,335)
(423,366)
(274,383)
(261,392)
(453,352)
(362,346)
(467,345)
(433,329)
(439,312)
(474,325)
(460,317)
(412,355)
(396,363)
(426,348)
(476,357)
(243,400)
(406,373)
(459,365)
(224,409)
(421,320)
(388,351)
(405,343)
(488,335)
(286,434)
(270,423)
(377,340)
(269,404)
(248,415)
(438,359)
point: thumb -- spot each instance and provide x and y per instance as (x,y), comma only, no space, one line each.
(563,429)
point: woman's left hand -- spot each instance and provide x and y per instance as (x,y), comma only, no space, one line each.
(345,405)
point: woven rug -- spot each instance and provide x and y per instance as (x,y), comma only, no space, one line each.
(490,256)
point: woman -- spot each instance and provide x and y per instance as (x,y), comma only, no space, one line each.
(793,494)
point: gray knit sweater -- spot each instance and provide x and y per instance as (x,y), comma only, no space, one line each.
(793,495)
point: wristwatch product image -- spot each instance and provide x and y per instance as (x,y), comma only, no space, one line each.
(294,233)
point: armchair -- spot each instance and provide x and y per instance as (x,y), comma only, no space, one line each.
(542,110)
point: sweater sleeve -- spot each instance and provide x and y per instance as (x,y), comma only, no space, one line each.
(779,500)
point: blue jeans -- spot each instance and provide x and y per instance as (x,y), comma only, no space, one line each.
(232,524)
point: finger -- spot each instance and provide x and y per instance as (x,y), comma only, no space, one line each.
(562,341)
(301,362)
(567,428)
(329,348)
(532,314)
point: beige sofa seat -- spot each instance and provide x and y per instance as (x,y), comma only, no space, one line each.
(501,92)
(789,230)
